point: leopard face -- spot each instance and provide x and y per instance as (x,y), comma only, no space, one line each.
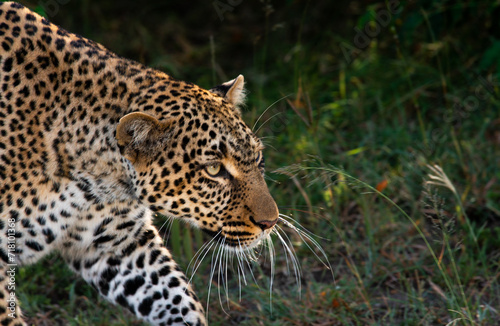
(203,164)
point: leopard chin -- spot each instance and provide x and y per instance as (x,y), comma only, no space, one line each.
(246,246)
(238,245)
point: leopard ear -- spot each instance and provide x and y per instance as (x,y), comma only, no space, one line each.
(139,133)
(233,91)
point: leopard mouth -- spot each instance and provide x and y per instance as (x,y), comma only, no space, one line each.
(238,241)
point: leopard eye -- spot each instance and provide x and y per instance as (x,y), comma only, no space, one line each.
(213,169)
(259,155)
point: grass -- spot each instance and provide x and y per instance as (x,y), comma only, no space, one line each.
(349,145)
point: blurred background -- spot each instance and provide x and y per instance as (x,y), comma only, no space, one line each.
(354,100)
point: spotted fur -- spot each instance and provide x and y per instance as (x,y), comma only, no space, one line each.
(92,145)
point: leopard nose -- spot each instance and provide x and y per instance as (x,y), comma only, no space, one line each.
(261,205)
(264,225)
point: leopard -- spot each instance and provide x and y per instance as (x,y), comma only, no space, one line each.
(93,146)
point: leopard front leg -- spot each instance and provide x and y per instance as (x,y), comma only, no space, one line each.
(134,269)
(10,314)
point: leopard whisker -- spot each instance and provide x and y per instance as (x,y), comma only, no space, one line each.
(291,252)
(264,139)
(223,271)
(263,124)
(240,262)
(270,245)
(168,223)
(246,254)
(217,266)
(260,249)
(205,248)
(287,253)
(270,106)
(304,235)
(198,257)
(239,281)
(226,257)
(268,137)
(291,221)
(220,276)
(240,267)
(268,145)
(212,272)
(251,255)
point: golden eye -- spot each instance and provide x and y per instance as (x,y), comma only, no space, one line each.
(213,169)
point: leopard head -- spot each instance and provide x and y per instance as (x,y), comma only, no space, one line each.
(199,162)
